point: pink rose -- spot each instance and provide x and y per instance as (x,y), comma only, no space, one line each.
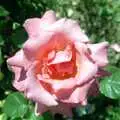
(58,66)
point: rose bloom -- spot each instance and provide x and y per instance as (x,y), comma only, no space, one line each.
(57,67)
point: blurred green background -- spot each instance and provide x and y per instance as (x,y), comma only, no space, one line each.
(100,19)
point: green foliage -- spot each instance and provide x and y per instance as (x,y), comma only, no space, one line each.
(110,86)
(3,12)
(15,105)
(18,37)
(100,19)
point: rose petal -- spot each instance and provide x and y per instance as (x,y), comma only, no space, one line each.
(86,68)
(19,60)
(63,93)
(20,76)
(40,108)
(62,56)
(48,41)
(62,108)
(79,95)
(36,92)
(94,88)
(33,45)
(86,72)
(102,73)
(49,17)
(70,28)
(99,53)
(57,84)
(34,25)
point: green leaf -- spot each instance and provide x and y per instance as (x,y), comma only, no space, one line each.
(32,116)
(110,86)
(3,12)
(112,69)
(47,116)
(15,105)
(19,37)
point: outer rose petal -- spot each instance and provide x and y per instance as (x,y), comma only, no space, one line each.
(34,25)
(33,45)
(86,69)
(63,94)
(102,73)
(99,53)
(62,108)
(70,28)
(94,88)
(36,92)
(20,76)
(49,17)
(57,84)
(40,108)
(19,60)
(79,95)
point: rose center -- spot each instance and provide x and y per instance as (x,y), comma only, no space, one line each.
(60,63)
(62,70)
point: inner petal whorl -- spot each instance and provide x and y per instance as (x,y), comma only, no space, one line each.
(59,58)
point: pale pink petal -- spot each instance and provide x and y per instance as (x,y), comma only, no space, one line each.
(62,108)
(40,108)
(34,26)
(36,92)
(79,95)
(62,56)
(71,28)
(20,76)
(86,68)
(86,72)
(115,47)
(19,60)
(39,44)
(99,53)
(58,84)
(49,17)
